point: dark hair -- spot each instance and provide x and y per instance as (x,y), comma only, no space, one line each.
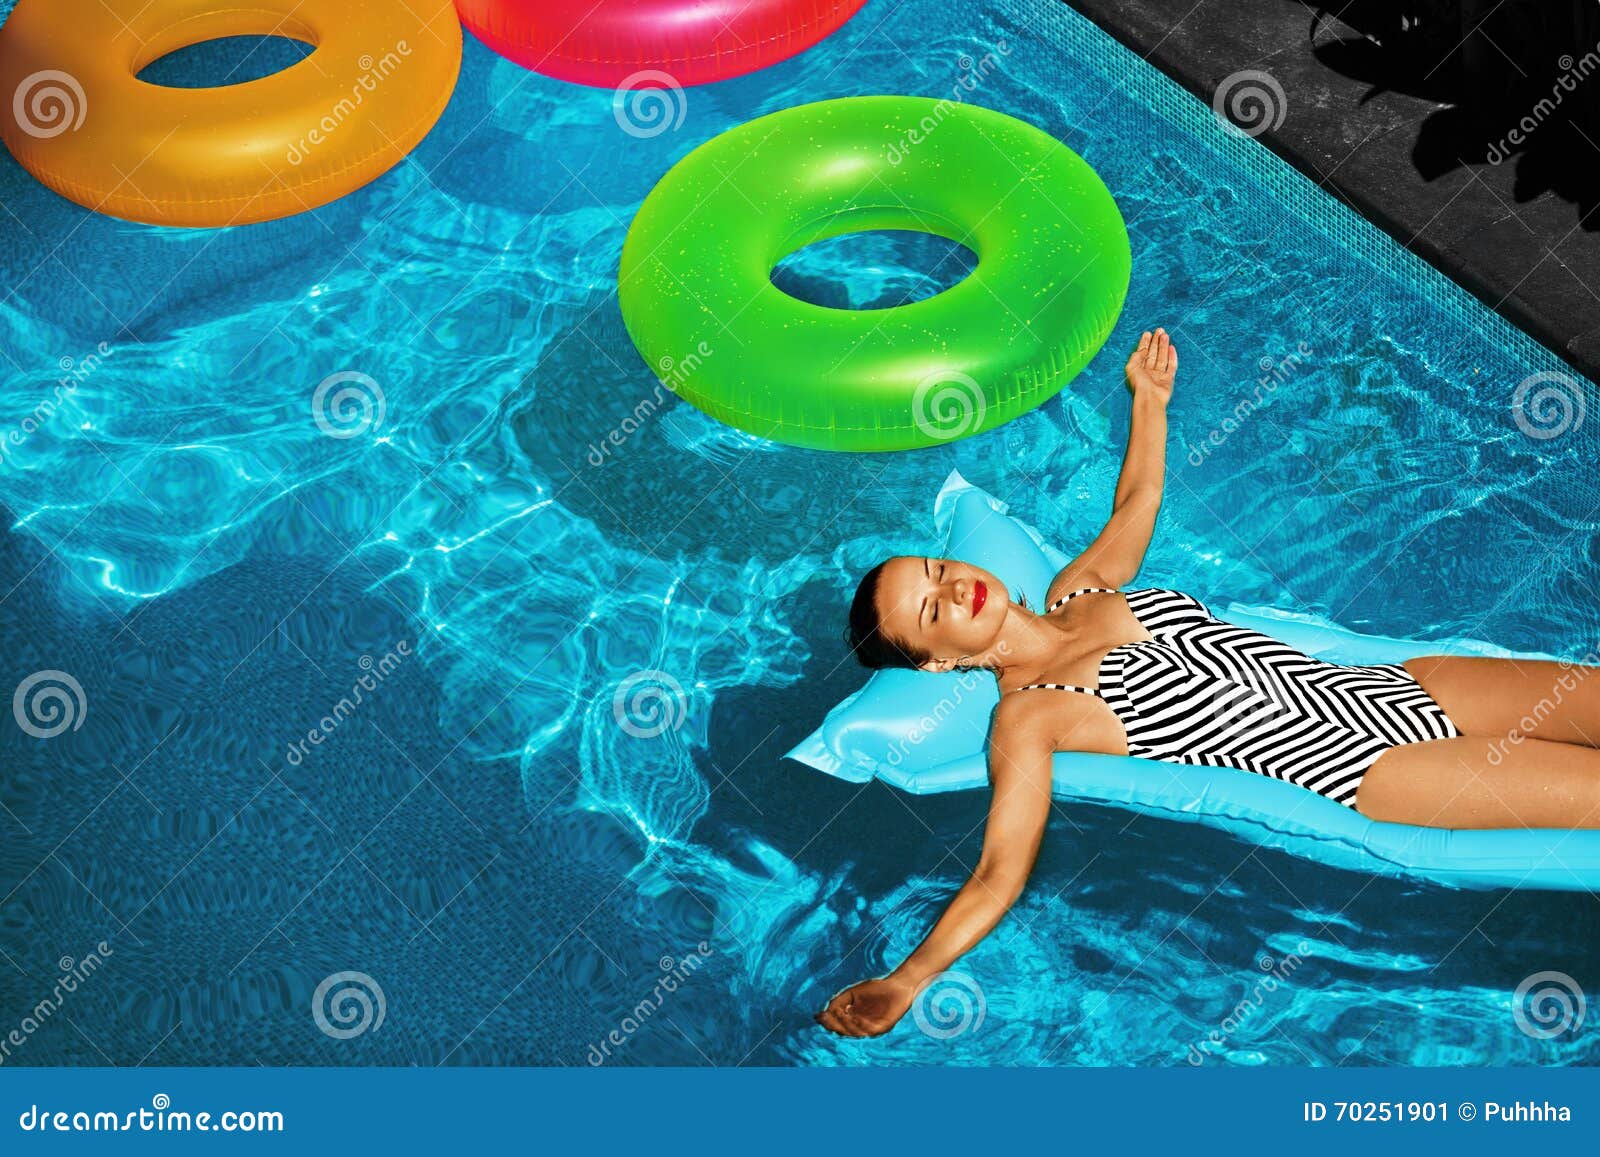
(865,637)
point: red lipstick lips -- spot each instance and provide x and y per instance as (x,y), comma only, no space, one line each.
(980,595)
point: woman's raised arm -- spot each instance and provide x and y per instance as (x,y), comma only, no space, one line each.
(1115,555)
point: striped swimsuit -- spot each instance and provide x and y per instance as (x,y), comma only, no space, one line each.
(1210,694)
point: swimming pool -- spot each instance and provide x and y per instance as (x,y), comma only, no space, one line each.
(592,619)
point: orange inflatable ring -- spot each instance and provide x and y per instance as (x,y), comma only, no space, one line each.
(75,115)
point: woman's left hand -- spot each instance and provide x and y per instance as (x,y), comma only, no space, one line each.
(1152,366)
(870,1008)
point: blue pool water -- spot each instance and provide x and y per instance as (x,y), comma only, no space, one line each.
(518,872)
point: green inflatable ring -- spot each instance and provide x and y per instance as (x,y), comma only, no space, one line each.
(698,300)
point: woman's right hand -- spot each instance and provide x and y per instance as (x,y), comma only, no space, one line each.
(870,1008)
(1152,367)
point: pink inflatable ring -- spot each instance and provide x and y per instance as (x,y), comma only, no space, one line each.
(608,43)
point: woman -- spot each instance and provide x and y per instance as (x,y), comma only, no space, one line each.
(1441,741)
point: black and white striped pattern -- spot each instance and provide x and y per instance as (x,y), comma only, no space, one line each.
(1211,694)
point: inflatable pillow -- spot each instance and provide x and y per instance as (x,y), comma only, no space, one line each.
(925,733)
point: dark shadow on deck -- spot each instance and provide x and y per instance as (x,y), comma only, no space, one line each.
(1468,130)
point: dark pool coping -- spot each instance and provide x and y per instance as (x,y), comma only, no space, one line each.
(1536,262)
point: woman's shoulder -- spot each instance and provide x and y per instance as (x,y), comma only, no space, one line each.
(1069,582)
(1043,719)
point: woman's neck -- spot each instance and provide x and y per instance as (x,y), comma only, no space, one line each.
(1027,643)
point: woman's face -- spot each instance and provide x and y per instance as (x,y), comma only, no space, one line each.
(942,607)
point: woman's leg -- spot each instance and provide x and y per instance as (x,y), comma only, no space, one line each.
(1481,782)
(1514,699)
